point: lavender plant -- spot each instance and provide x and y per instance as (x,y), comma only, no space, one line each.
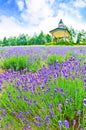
(41,100)
(54,97)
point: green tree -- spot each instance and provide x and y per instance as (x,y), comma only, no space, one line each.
(1,43)
(41,38)
(73,34)
(21,40)
(48,38)
(12,41)
(5,41)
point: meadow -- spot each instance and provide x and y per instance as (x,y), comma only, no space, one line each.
(43,88)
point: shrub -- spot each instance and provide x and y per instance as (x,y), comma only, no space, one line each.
(68,55)
(15,62)
(53,58)
(50,43)
(62,42)
(21,62)
(35,63)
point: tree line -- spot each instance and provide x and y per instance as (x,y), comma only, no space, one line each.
(23,39)
(77,37)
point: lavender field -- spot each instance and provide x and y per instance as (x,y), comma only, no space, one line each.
(43,88)
(29,50)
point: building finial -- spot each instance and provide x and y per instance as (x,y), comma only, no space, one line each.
(60,25)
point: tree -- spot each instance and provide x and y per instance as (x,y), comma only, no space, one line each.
(48,38)
(41,38)
(5,41)
(73,34)
(12,41)
(21,40)
(1,43)
(81,37)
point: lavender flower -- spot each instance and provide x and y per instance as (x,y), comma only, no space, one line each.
(60,124)
(37,117)
(67,100)
(47,117)
(84,102)
(59,107)
(66,124)
(37,124)
(79,112)
(52,113)
(74,122)
(50,105)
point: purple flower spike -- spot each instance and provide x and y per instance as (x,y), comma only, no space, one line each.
(79,112)
(66,101)
(55,89)
(84,102)
(52,113)
(60,124)
(50,105)
(66,124)
(47,117)
(37,123)
(37,117)
(74,122)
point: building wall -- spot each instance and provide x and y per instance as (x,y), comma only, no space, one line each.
(60,33)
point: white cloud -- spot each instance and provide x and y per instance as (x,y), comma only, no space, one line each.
(20,4)
(68,9)
(79,3)
(9,26)
(37,10)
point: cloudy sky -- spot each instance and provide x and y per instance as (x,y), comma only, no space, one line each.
(30,16)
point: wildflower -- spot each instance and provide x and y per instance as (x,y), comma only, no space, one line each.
(60,124)
(25,98)
(14,113)
(50,105)
(85,80)
(59,107)
(34,101)
(52,113)
(74,122)
(55,89)
(37,117)
(0,90)
(66,124)
(24,88)
(23,121)
(66,101)
(84,102)
(42,99)
(71,99)
(38,93)
(79,112)
(6,125)
(47,117)
(37,123)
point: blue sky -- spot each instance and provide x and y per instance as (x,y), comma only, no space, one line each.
(32,16)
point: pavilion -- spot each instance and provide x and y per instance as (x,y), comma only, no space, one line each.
(61,32)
